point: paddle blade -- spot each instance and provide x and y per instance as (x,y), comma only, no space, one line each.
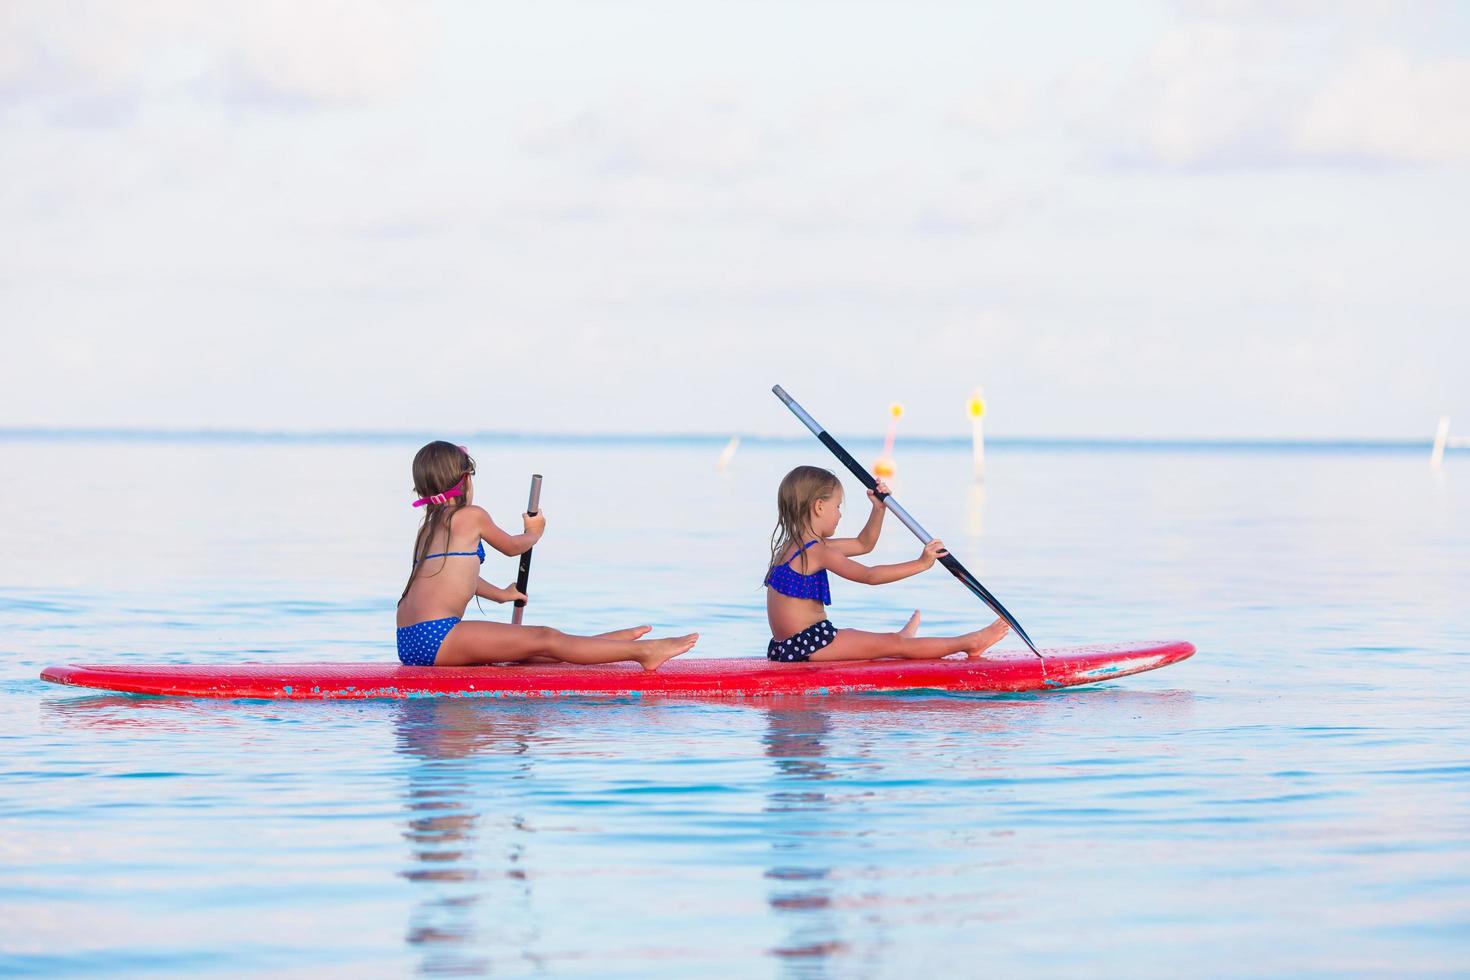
(973,584)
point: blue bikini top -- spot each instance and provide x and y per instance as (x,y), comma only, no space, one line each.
(789,582)
(478,552)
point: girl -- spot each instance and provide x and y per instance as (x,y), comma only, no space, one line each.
(430,630)
(808,507)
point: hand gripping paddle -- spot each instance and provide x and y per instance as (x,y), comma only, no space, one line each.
(948,560)
(523,575)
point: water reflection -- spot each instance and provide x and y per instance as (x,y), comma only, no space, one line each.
(801,893)
(114,710)
(838,783)
(470,865)
(819,819)
(975,511)
(878,822)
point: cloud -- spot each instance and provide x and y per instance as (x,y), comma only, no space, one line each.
(94,62)
(1208,95)
(327,51)
(1278,10)
(711,133)
(1229,88)
(998,106)
(817,163)
(1386,107)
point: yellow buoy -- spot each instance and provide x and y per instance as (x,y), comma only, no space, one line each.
(975,407)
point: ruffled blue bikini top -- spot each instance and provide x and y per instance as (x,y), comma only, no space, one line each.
(478,552)
(789,582)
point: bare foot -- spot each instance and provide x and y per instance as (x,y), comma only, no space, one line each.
(978,642)
(911,628)
(632,633)
(655,652)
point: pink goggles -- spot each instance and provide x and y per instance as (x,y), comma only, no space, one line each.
(455,491)
(442,498)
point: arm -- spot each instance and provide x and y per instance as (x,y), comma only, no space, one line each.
(503,542)
(867,538)
(495,593)
(840,564)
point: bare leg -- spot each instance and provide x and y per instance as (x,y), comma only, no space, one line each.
(480,642)
(860,645)
(632,633)
(911,628)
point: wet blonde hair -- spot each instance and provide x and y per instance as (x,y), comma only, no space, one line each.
(436,468)
(799,491)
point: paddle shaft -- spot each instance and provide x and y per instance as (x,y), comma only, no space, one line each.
(523,574)
(948,560)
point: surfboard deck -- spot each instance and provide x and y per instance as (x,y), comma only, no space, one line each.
(1006,670)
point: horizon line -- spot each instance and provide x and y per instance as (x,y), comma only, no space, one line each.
(236,434)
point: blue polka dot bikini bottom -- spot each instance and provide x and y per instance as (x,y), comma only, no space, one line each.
(801,646)
(418,644)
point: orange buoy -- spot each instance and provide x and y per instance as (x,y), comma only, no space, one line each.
(884,465)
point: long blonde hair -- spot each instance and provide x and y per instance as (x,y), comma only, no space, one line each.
(436,468)
(799,490)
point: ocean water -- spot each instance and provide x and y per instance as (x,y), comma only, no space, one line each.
(1293,801)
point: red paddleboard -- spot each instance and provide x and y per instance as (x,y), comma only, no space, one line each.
(682,677)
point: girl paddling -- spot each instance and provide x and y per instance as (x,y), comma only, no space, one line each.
(444,578)
(808,506)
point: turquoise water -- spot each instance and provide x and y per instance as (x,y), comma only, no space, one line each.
(1295,800)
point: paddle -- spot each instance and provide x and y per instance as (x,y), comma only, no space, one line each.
(523,576)
(947,559)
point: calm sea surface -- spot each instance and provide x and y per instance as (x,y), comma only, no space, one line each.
(1295,800)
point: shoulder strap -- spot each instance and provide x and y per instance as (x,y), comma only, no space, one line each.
(797,554)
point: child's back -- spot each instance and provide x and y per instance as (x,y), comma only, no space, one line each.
(447,555)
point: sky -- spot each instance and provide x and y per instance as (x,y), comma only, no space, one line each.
(1201,218)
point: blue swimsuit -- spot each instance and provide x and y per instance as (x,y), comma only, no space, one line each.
(418,644)
(789,582)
